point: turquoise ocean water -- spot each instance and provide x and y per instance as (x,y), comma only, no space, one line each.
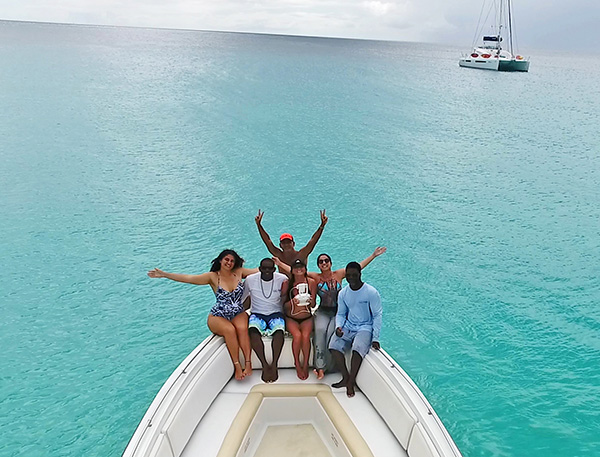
(127,149)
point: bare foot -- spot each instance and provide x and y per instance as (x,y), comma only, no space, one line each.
(319,373)
(275,374)
(350,390)
(239,375)
(267,374)
(339,384)
(304,373)
(247,369)
(299,372)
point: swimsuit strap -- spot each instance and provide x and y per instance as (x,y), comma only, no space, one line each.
(328,284)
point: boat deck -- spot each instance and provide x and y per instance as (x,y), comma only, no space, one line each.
(208,436)
(294,440)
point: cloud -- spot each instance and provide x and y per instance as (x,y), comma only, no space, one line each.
(557,24)
(379,8)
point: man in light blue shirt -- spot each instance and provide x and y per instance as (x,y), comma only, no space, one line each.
(358,323)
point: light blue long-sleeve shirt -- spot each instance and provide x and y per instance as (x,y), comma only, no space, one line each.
(360,310)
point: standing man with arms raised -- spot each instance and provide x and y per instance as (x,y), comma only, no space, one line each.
(286,251)
(358,323)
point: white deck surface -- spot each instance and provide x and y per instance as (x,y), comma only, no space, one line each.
(209,434)
(292,441)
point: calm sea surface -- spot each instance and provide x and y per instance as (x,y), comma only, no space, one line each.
(127,149)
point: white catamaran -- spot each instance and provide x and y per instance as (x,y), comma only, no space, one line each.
(203,411)
(491,55)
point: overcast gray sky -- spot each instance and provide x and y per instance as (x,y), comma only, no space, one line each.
(552,24)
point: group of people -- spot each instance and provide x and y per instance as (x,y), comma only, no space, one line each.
(286,300)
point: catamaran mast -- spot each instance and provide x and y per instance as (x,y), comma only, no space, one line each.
(500,26)
(510,38)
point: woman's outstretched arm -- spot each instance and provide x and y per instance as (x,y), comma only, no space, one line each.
(248,271)
(376,253)
(341,273)
(200,280)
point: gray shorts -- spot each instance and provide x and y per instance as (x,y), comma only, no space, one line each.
(360,341)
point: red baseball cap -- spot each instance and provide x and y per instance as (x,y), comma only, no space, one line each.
(286,236)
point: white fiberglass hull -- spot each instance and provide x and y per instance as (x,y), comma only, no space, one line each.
(482,64)
(202,410)
(495,64)
(494,59)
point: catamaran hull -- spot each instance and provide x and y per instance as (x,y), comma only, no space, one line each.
(513,65)
(482,64)
(495,64)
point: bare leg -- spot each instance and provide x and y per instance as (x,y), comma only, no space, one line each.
(240,322)
(276,346)
(259,349)
(306,329)
(221,326)
(294,329)
(354,366)
(340,363)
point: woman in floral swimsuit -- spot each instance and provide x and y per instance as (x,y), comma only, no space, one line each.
(226,317)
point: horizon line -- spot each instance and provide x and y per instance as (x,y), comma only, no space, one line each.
(212,31)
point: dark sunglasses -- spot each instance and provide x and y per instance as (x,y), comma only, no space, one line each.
(324,260)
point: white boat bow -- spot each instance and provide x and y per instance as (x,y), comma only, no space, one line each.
(203,411)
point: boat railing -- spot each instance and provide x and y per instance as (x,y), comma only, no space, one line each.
(420,405)
(173,384)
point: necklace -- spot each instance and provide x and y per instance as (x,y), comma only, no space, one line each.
(263,290)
